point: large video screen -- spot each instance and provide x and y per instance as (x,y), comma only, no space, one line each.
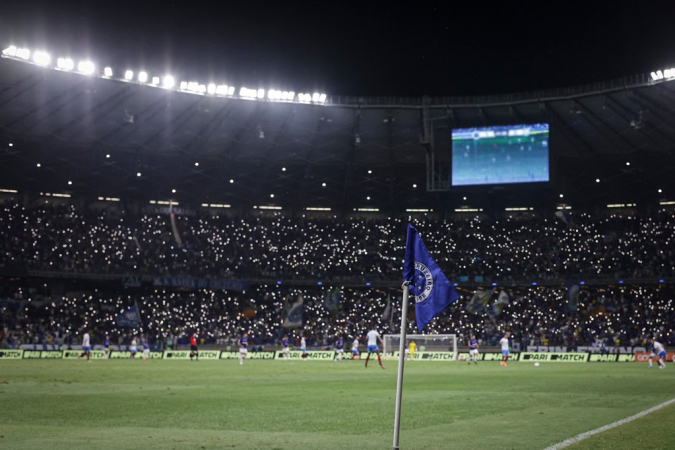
(500,155)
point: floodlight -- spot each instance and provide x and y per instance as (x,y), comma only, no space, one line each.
(23,53)
(230,90)
(65,63)
(284,95)
(211,89)
(86,67)
(271,94)
(183,85)
(315,97)
(169,81)
(242,92)
(129,75)
(261,93)
(221,89)
(654,76)
(322,98)
(155,80)
(291,95)
(108,72)
(192,86)
(143,77)
(201,88)
(10,51)
(658,72)
(41,58)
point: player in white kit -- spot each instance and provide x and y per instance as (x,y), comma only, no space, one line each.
(660,353)
(86,347)
(373,336)
(133,349)
(303,347)
(504,342)
(355,348)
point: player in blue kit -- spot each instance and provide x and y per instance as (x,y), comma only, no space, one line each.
(106,346)
(284,348)
(473,350)
(146,349)
(243,348)
(339,349)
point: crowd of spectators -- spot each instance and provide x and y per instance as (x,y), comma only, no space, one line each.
(610,316)
(534,247)
(74,240)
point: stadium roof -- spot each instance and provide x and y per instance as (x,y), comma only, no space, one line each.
(99,137)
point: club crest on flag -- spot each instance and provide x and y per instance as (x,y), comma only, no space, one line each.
(423,283)
(432,290)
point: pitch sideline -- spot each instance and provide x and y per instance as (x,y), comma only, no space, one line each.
(582,436)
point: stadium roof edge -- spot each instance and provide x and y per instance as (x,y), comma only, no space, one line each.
(477,101)
(548,95)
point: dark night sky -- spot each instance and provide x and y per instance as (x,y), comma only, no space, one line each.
(358,48)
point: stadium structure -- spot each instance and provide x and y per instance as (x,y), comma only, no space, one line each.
(96,133)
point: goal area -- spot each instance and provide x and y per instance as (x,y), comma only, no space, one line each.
(428,346)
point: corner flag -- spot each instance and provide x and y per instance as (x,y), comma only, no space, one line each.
(432,290)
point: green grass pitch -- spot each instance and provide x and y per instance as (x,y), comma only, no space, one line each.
(120,404)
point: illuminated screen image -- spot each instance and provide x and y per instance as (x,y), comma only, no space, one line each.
(500,155)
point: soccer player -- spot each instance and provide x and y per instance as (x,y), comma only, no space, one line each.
(339,348)
(284,348)
(194,351)
(373,336)
(146,349)
(86,346)
(243,348)
(473,350)
(303,347)
(355,348)
(504,342)
(106,346)
(660,353)
(132,349)
(412,347)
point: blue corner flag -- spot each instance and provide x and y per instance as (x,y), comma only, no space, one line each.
(431,289)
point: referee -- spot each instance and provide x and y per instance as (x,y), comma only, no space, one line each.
(193,347)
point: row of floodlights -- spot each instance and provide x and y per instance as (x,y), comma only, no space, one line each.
(663,75)
(88,68)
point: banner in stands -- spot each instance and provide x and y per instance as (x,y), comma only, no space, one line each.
(310,355)
(611,358)
(37,354)
(554,357)
(122,354)
(644,357)
(202,283)
(584,349)
(11,354)
(73,354)
(185,354)
(494,356)
(250,355)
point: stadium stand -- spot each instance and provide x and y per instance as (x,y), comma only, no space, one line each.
(108,185)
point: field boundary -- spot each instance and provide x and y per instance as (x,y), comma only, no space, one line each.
(582,436)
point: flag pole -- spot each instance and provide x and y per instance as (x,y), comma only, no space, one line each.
(401,362)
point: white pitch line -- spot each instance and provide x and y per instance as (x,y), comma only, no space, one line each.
(587,434)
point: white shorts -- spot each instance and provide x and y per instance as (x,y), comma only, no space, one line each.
(340,350)
(243,350)
(286,349)
(473,351)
